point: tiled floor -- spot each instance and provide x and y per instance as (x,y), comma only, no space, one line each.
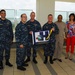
(66,67)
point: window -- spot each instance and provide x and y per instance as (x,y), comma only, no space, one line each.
(64,8)
(18,4)
(14,15)
(14,8)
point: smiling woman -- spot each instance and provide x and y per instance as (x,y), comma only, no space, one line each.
(59,9)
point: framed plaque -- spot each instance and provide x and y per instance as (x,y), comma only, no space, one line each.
(40,37)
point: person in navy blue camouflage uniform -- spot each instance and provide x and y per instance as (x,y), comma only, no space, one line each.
(50,46)
(21,35)
(33,26)
(6,38)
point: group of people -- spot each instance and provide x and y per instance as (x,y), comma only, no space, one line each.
(23,35)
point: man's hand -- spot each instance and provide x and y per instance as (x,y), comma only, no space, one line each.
(53,29)
(21,46)
(30,32)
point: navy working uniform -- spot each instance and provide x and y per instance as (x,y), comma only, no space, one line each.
(21,35)
(32,26)
(6,38)
(50,46)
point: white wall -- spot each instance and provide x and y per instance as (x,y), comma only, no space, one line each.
(66,0)
(18,4)
(43,8)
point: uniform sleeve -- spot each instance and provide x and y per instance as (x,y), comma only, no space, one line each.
(39,26)
(56,29)
(28,26)
(11,31)
(43,28)
(17,34)
(65,28)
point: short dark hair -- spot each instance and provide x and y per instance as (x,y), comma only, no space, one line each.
(50,15)
(72,14)
(32,12)
(23,14)
(60,15)
(2,11)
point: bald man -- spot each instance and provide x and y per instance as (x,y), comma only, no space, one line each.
(33,26)
(60,38)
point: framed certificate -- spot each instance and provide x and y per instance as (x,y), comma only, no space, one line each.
(40,37)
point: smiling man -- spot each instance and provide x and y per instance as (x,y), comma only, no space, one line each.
(6,38)
(33,26)
(50,46)
(21,35)
(60,38)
